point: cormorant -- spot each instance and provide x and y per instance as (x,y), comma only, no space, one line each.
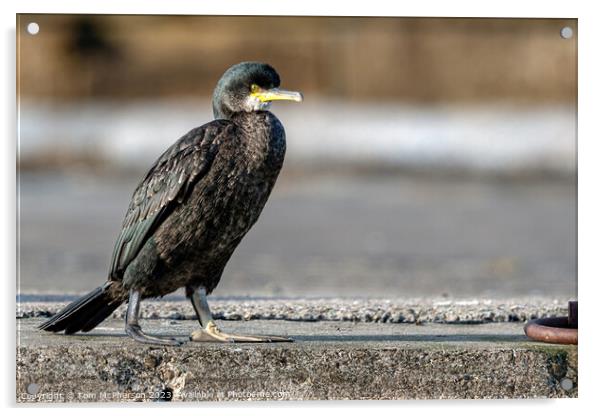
(192,209)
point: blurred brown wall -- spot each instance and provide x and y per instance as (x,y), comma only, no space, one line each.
(410,59)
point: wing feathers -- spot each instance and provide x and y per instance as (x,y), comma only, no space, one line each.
(165,186)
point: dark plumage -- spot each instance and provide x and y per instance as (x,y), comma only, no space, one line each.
(195,204)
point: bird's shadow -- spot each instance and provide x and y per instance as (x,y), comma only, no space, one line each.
(412,338)
(342,338)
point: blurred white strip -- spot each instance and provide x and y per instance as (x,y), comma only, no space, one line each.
(484,137)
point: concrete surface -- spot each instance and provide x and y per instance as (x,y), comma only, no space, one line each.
(396,310)
(329,360)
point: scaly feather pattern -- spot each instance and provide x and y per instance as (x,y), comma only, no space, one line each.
(166,185)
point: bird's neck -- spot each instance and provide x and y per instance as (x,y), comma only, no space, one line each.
(262,135)
(253,122)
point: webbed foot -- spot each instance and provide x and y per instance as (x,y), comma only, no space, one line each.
(137,334)
(211,333)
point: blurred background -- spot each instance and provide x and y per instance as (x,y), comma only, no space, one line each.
(431,157)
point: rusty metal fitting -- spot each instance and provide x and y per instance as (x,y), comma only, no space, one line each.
(558,330)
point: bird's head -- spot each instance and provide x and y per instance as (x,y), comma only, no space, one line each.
(249,86)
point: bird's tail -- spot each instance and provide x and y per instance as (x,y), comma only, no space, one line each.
(86,312)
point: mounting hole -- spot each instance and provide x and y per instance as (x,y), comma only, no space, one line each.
(566,384)
(33,28)
(566,32)
(33,388)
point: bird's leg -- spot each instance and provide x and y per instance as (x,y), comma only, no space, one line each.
(132,328)
(210,332)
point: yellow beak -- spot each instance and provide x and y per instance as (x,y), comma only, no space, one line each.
(276,94)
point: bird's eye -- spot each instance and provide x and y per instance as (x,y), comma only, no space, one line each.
(254,88)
